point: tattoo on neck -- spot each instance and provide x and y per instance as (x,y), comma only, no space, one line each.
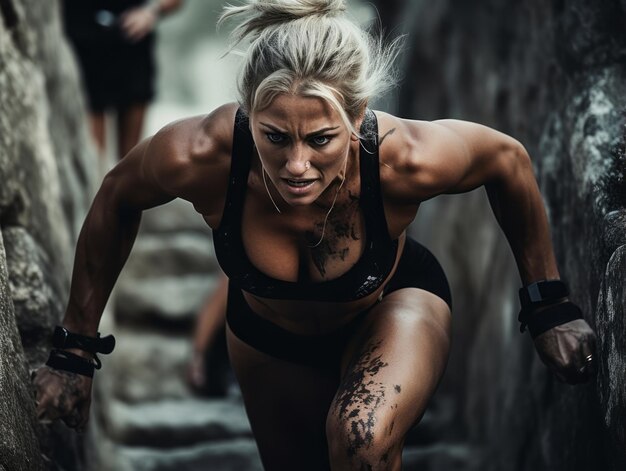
(388,133)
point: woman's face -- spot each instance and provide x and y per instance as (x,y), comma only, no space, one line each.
(295,130)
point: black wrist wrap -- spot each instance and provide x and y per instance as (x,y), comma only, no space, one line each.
(61,359)
(551,316)
(547,295)
(63,338)
(67,361)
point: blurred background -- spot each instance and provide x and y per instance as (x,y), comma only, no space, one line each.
(551,74)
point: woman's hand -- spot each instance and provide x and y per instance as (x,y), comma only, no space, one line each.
(565,349)
(62,395)
(138,22)
(196,371)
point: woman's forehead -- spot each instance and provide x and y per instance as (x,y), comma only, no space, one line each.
(289,112)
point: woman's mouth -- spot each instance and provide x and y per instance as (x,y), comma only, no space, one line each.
(299,185)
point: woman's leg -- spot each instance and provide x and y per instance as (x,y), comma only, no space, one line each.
(129,126)
(392,367)
(97,120)
(287,405)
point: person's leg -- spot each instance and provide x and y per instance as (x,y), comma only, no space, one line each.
(129,126)
(287,404)
(393,365)
(97,120)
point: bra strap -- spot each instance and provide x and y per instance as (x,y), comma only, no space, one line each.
(371,194)
(239,168)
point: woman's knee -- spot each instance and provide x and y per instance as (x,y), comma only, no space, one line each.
(362,439)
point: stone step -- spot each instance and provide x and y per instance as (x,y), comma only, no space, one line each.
(172,301)
(170,254)
(233,455)
(146,367)
(172,424)
(238,454)
(174,217)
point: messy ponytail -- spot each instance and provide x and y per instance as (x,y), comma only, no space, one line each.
(309,48)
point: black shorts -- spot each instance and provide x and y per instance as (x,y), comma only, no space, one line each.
(118,77)
(116,71)
(417,268)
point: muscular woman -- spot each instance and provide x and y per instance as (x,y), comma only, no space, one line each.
(338,324)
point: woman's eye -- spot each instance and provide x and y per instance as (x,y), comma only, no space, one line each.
(321,140)
(275,138)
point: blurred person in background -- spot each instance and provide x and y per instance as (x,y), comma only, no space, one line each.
(338,323)
(114,43)
(208,369)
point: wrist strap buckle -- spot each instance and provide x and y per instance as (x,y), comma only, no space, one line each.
(63,338)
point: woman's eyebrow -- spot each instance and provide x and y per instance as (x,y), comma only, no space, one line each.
(319,131)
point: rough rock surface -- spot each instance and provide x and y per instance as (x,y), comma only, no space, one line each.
(19,447)
(551,75)
(46,182)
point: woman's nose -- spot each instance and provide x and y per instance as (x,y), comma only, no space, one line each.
(297,163)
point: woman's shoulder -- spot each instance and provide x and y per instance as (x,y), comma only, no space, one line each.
(406,144)
(198,138)
(421,159)
(405,151)
(191,157)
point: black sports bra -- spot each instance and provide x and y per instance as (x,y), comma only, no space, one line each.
(363,278)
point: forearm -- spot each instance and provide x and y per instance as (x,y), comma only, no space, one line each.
(164,7)
(519,209)
(103,246)
(212,316)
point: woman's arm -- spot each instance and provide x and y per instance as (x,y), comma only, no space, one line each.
(451,156)
(482,156)
(182,160)
(108,234)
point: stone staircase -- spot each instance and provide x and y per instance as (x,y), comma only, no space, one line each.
(144,416)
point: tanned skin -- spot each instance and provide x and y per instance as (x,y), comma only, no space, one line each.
(302,417)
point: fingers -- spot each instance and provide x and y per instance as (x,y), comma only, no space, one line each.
(61,395)
(569,351)
(84,413)
(73,419)
(588,361)
(584,365)
(196,373)
(47,412)
(137,23)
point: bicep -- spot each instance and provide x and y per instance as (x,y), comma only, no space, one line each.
(133,184)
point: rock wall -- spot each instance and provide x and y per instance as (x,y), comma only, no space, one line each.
(45,176)
(552,75)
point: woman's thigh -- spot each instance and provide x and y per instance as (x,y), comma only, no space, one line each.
(391,369)
(287,405)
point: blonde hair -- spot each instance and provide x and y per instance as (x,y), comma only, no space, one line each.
(310,48)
